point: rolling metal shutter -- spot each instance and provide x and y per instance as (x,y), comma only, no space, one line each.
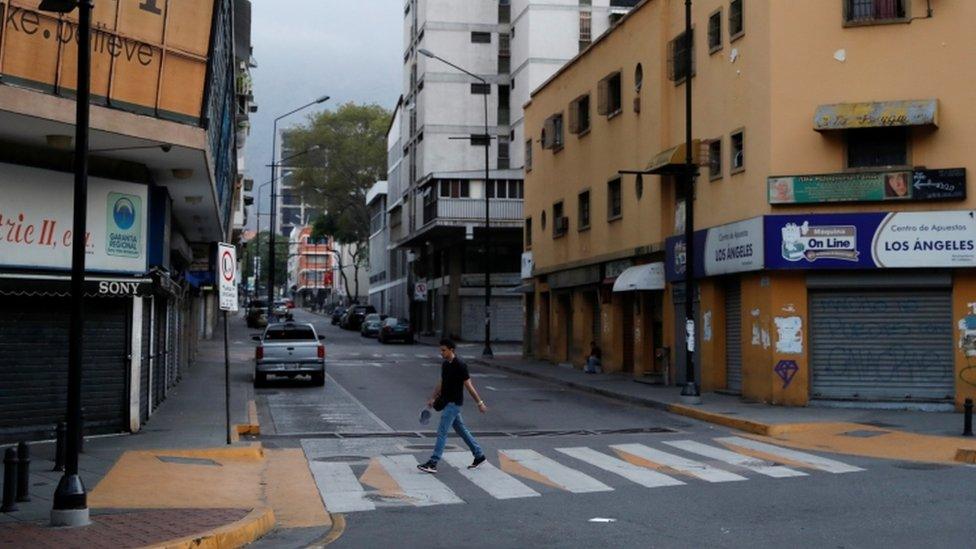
(159,354)
(144,369)
(506,318)
(733,336)
(33,372)
(172,356)
(882,345)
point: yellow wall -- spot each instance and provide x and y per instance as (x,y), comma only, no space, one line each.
(964,304)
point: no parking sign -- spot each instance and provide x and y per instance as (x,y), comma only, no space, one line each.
(227,276)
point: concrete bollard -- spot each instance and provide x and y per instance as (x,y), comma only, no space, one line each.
(967,421)
(23,472)
(9,481)
(60,446)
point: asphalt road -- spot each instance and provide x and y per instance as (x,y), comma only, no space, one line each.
(571,469)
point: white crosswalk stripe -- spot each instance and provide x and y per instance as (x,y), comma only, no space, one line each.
(732,458)
(687,466)
(641,475)
(339,487)
(570,479)
(497,483)
(815,462)
(421,488)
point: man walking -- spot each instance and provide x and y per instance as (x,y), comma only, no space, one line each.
(448,397)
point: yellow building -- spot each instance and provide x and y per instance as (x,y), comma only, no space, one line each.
(836,239)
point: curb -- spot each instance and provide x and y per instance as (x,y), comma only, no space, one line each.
(966,456)
(253,426)
(251,452)
(236,534)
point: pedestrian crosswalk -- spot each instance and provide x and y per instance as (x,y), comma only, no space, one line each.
(393,480)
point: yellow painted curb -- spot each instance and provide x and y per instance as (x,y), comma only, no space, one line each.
(253,451)
(966,456)
(720,419)
(253,427)
(236,534)
(338,528)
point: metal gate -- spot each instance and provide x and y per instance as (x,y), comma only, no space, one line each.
(159,353)
(144,404)
(733,335)
(33,372)
(882,345)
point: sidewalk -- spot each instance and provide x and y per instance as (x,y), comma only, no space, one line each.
(891,434)
(177,483)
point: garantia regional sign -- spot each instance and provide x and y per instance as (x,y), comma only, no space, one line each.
(36,219)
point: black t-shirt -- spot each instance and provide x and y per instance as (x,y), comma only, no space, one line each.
(453,376)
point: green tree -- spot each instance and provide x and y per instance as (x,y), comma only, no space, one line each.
(258,247)
(350,158)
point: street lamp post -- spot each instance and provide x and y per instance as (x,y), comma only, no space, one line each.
(70,506)
(689,392)
(274,177)
(487,350)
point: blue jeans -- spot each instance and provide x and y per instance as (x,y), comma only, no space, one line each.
(451,417)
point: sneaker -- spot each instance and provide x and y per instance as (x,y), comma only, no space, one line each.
(477,461)
(429,467)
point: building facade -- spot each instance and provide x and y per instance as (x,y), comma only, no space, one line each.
(835,249)
(396,299)
(162,186)
(310,263)
(292,209)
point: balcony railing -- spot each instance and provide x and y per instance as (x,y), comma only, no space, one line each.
(463,211)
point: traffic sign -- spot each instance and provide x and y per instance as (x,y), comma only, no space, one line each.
(227,276)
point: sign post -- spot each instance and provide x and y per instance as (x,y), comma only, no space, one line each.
(227,285)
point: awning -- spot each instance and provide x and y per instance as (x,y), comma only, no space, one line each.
(876,114)
(641,277)
(523,289)
(672,161)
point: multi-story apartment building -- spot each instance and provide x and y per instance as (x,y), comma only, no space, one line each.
(292,209)
(310,264)
(837,237)
(163,177)
(385,254)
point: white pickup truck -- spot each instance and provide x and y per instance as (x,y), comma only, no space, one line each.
(289,349)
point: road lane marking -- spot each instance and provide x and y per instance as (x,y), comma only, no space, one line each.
(340,489)
(678,463)
(560,475)
(489,478)
(640,475)
(421,489)
(815,462)
(732,458)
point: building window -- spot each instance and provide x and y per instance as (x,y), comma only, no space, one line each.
(552,133)
(505,188)
(639,186)
(481,38)
(584,210)
(543,220)
(480,89)
(877,147)
(559,222)
(455,188)
(585,29)
(638,77)
(874,11)
(736,28)
(503,154)
(715,159)
(579,115)
(614,203)
(608,95)
(678,54)
(528,233)
(715,31)
(737,152)
(528,155)
(504,54)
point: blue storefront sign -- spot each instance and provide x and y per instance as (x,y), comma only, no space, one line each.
(868,240)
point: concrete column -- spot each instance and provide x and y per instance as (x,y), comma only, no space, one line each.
(135,365)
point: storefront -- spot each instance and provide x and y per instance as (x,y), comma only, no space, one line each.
(854,307)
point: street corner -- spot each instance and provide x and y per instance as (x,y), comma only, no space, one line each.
(870,441)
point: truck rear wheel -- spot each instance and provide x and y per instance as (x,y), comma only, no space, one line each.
(318,379)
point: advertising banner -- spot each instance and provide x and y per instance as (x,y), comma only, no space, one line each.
(733,248)
(36,214)
(148,56)
(919,185)
(871,240)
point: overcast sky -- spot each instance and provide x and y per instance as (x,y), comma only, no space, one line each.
(347,49)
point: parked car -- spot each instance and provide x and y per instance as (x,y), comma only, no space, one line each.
(371,325)
(289,349)
(396,329)
(257,314)
(353,319)
(337,315)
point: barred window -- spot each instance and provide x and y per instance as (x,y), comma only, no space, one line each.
(868,11)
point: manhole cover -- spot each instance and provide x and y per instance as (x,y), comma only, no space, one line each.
(342,459)
(864,434)
(419,447)
(916,466)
